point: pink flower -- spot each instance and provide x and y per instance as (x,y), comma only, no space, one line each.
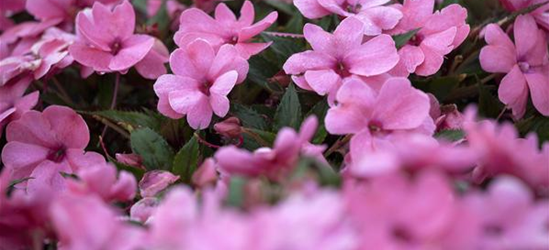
(13,102)
(205,174)
(153,182)
(202,81)
(9,8)
(510,216)
(85,222)
(375,16)
(526,63)
(540,14)
(273,163)
(44,145)
(107,44)
(102,180)
(15,67)
(60,11)
(53,50)
(439,33)
(338,56)
(446,117)
(224,29)
(144,209)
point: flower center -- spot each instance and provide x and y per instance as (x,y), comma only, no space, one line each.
(416,40)
(354,8)
(205,88)
(402,235)
(524,67)
(375,127)
(57,155)
(115,47)
(342,70)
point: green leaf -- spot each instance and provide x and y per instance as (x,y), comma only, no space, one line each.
(260,136)
(288,113)
(402,39)
(488,104)
(319,110)
(282,6)
(249,117)
(152,147)
(284,47)
(186,160)
(132,118)
(295,25)
(235,197)
(440,87)
(261,70)
(450,135)
(324,174)
(536,124)
(140,5)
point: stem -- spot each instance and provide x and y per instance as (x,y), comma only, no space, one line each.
(111,125)
(282,34)
(501,113)
(205,142)
(115,92)
(338,144)
(63,93)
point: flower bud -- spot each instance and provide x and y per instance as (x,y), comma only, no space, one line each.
(229,127)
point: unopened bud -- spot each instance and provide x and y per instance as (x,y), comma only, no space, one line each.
(229,127)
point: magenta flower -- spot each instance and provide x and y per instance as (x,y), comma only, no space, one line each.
(224,29)
(338,56)
(375,16)
(397,108)
(273,163)
(526,63)
(540,14)
(13,102)
(202,80)
(42,145)
(439,33)
(106,42)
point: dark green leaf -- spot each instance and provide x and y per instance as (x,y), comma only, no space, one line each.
(152,147)
(319,110)
(282,6)
(161,18)
(249,117)
(131,118)
(440,87)
(284,47)
(536,124)
(288,113)
(261,70)
(186,160)
(402,39)
(488,104)
(295,25)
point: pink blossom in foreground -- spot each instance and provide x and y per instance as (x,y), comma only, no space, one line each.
(540,14)
(13,102)
(106,42)
(155,181)
(510,216)
(143,209)
(85,222)
(395,212)
(439,33)
(42,145)
(224,29)
(375,16)
(526,63)
(338,56)
(102,180)
(273,163)
(203,79)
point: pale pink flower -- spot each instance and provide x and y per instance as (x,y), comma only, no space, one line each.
(42,145)
(203,79)
(86,222)
(15,67)
(106,42)
(143,209)
(53,51)
(526,63)
(273,163)
(153,182)
(510,216)
(13,101)
(224,29)
(60,11)
(439,33)
(375,16)
(102,180)
(541,14)
(205,174)
(338,56)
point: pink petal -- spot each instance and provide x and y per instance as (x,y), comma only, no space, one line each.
(416,12)
(440,42)
(308,60)
(93,33)
(451,16)
(526,31)
(379,18)
(335,7)
(224,83)
(228,59)
(200,115)
(97,59)
(497,59)
(194,61)
(22,158)
(194,20)
(350,115)
(121,21)
(408,111)
(247,33)
(538,83)
(48,174)
(224,15)
(155,181)
(323,81)
(31,128)
(375,57)
(432,63)
(411,57)
(183,100)
(513,91)
(124,189)
(320,40)
(246,50)
(247,14)
(184,39)
(152,66)
(347,36)
(134,49)
(311,9)
(67,126)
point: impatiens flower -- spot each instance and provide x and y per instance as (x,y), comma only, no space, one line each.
(16,66)
(53,50)
(60,11)
(510,216)
(155,181)
(106,42)
(85,222)
(502,151)
(375,16)
(203,79)
(526,63)
(540,14)
(439,33)
(338,56)
(144,209)
(205,174)
(8,9)
(13,102)
(18,40)
(224,29)
(446,117)
(273,163)
(102,180)
(43,145)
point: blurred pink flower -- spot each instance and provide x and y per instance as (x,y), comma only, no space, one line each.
(143,209)
(526,63)
(107,44)
(205,174)
(338,56)
(202,81)
(446,117)
(153,182)
(541,14)
(7,9)
(439,33)
(273,163)
(375,16)
(85,222)
(224,29)
(42,145)
(13,102)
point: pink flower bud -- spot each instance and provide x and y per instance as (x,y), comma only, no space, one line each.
(130,160)
(229,127)
(155,181)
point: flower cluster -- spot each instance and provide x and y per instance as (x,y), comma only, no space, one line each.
(332,125)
